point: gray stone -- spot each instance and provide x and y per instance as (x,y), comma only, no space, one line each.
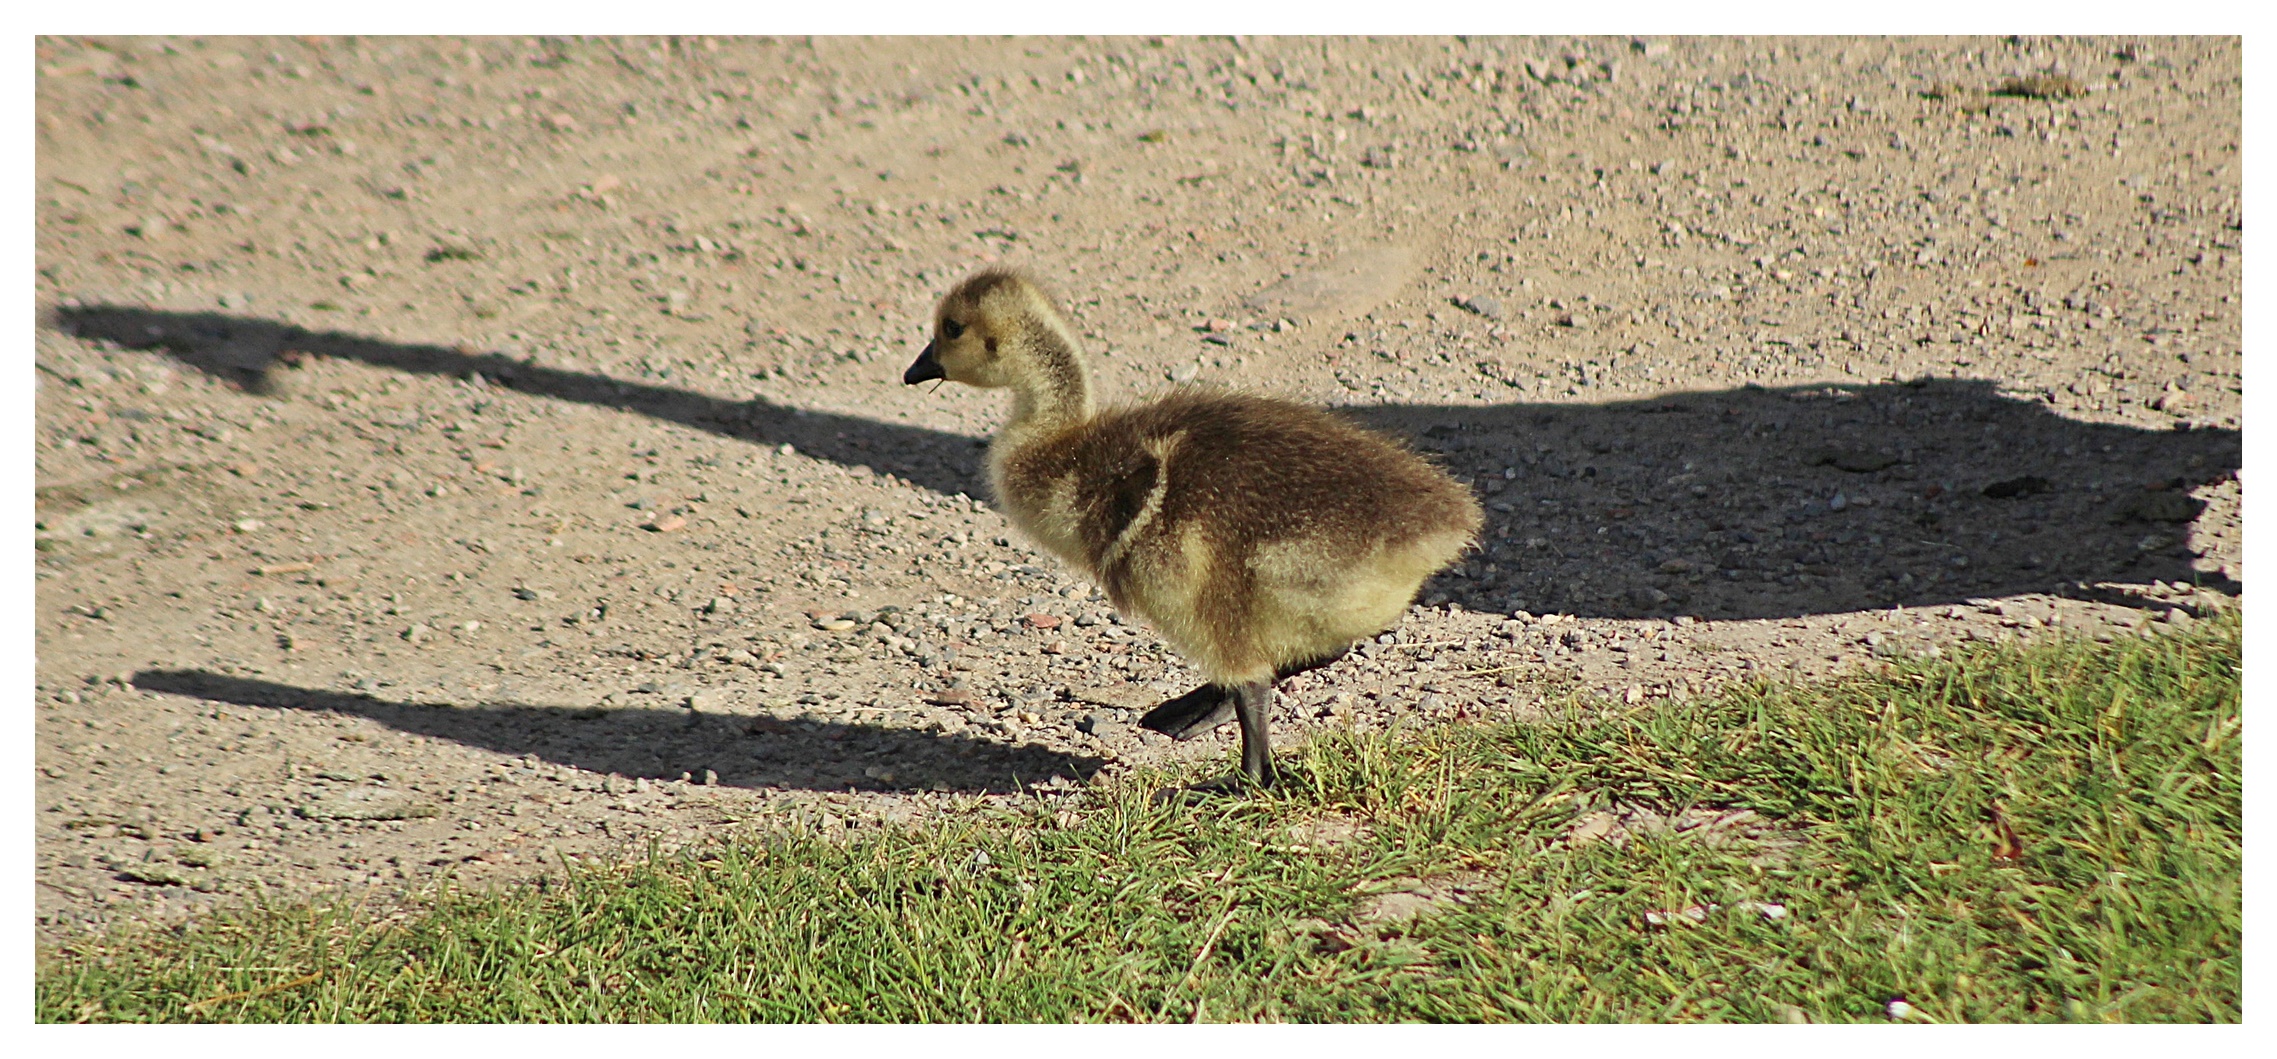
(1484,306)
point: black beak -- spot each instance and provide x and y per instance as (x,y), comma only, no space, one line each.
(926,369)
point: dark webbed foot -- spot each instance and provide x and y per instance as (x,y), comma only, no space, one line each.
(1191,714)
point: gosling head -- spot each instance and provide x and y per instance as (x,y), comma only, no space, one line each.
(988,332)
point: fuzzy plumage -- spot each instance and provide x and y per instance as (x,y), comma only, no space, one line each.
(1254,533)
(1258,536)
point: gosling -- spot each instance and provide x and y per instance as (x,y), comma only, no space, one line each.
(1259,537)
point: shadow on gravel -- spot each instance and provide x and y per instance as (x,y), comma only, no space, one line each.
(662,744)
(249,352)
(1748,503)
(1725,504)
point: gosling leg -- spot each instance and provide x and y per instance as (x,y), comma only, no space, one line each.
(1253,703)
(1193,713)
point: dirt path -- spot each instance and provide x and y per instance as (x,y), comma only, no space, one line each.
(452,457)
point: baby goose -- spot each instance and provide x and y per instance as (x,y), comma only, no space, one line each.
(1259,537)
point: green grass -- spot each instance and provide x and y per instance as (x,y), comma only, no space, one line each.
(2048,833)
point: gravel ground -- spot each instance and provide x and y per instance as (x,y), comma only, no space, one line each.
(456,457)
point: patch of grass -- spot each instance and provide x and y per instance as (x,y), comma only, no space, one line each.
(2044,833)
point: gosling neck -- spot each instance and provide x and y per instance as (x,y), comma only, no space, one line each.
(1057,392)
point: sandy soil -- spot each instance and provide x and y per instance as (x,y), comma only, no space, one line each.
(453,457)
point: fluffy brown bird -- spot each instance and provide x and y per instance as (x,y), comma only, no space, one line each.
(1260,537)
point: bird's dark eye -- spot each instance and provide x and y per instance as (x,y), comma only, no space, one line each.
(952,329)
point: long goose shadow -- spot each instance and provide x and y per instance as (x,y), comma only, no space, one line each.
(1765,503)
(1720,504)
(249,352)
(660,744)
